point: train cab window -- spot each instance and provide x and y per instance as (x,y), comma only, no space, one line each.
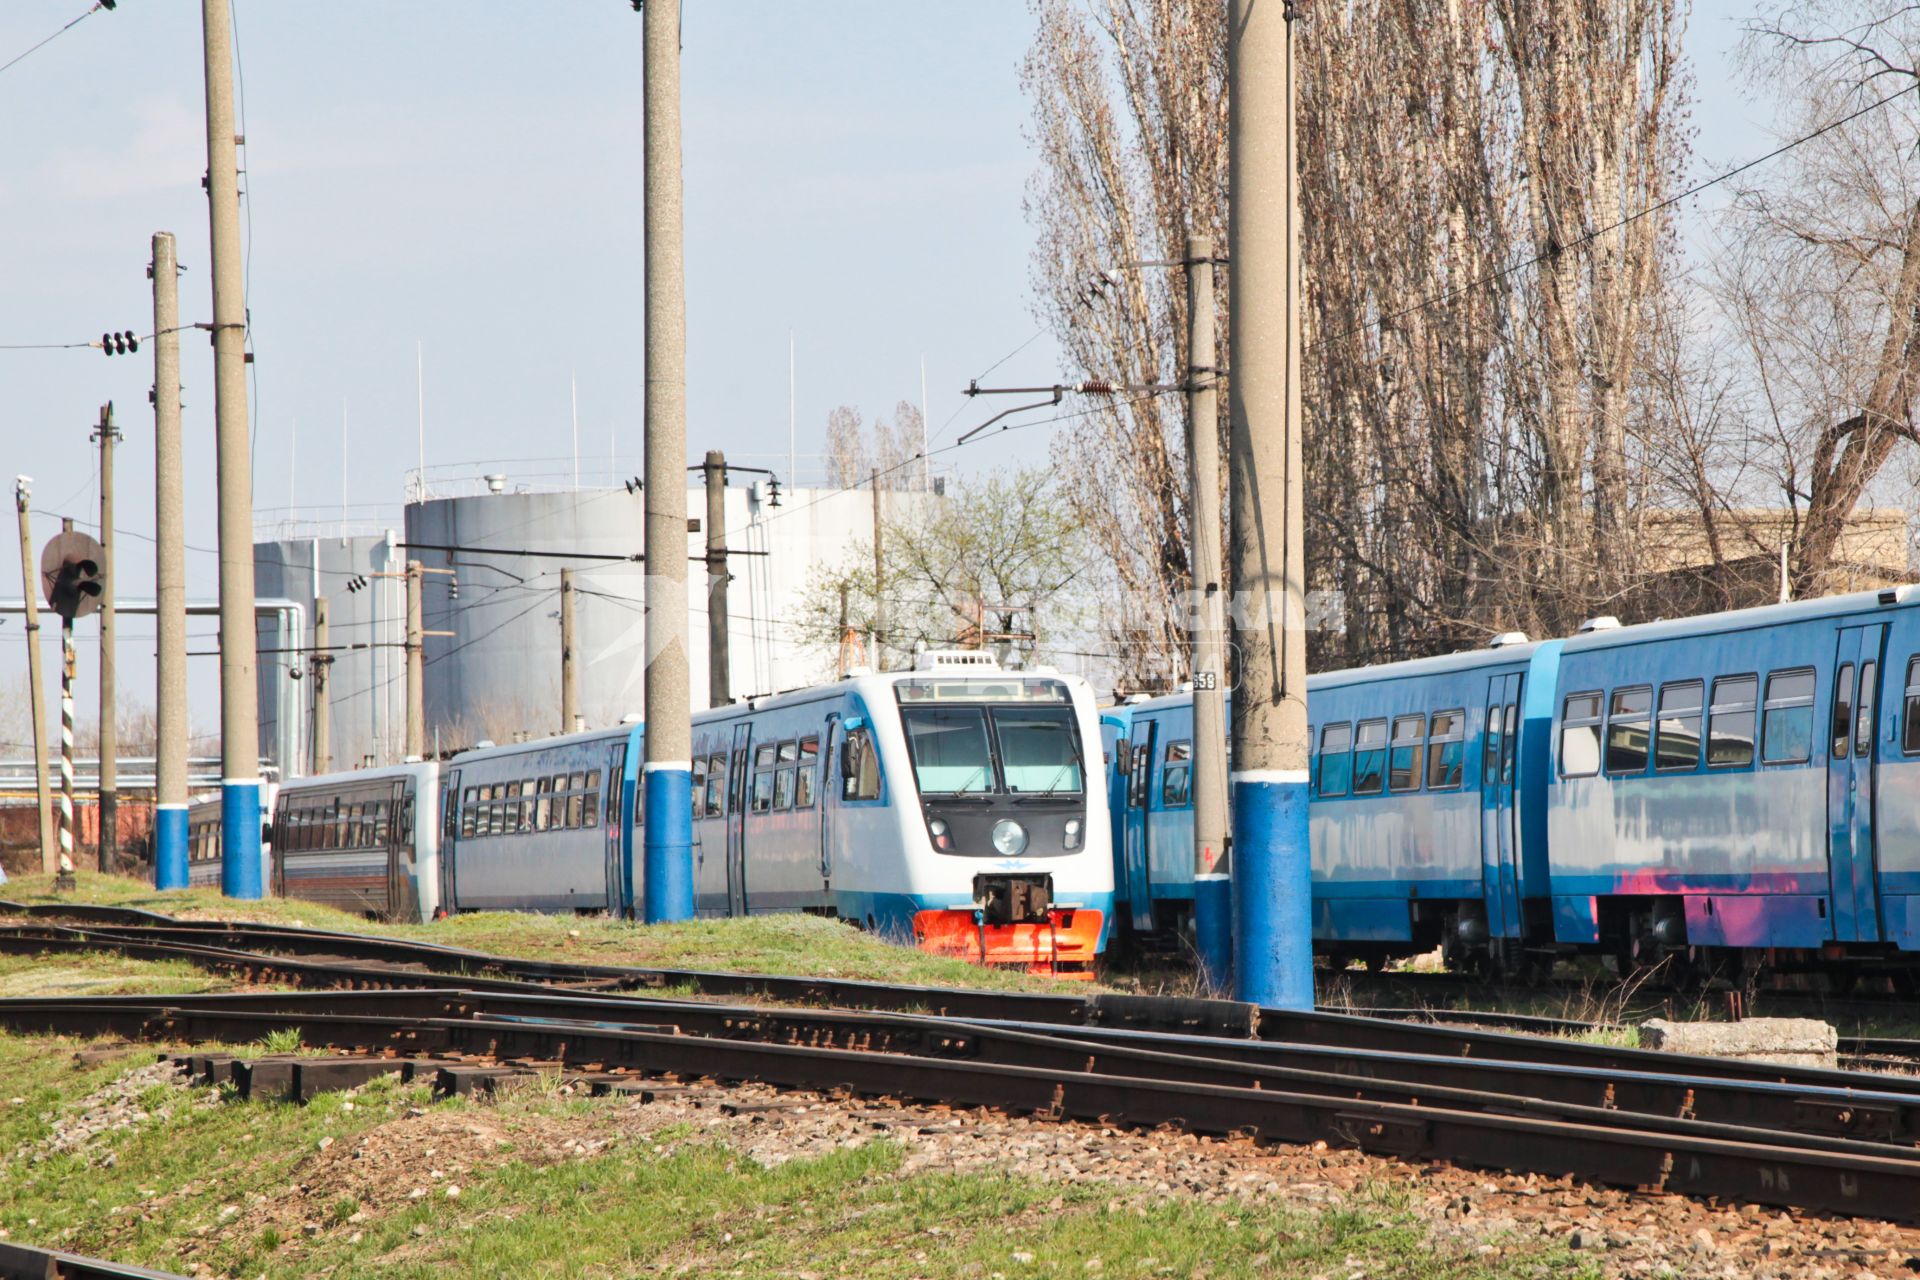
(1787,726)
(1447,750)
(803,789)
(1910,713)
(1409,745)
(716,785)
(1176,778)
(1334,769)
(1730,722)
(1580,735)
(699,787)
(1628,726)
(1842,726)
(1676,743)
(590,807)
(1369,757)
(1869,688)
(861,774)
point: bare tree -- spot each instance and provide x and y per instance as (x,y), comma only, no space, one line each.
(1822,278)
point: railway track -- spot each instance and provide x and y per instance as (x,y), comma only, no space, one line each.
(21,1262)
(1793,1137)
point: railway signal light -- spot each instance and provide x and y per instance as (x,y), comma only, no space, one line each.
(72,574)
(126,342)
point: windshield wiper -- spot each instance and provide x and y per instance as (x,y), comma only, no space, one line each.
(1053,787)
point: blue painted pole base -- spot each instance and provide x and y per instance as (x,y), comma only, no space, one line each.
(668,850)
(170,846)
(1272,889)
(240,838)
(1213,929)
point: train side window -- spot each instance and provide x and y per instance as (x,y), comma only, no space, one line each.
(789,751)
(467,814)
(1490,746)
(1369,757)
(1730,722)
(590,807)
(543,807)
(1676,742)
(382,823)
(1910,713)
(809,767)
(716,785)
(862,780)
(1335,765)
(1787,725)
(1842,711)
(1580,735)
(1176,778)
(783,788)
(763,791)
(1409,745)
(1447,750)
(1628,727)
(763,757)
(1137,784)
(1869,689)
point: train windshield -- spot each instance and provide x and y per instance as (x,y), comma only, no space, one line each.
(1039,751)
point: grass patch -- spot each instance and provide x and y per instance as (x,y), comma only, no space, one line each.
(782,944)
(101,974)
(193,1184)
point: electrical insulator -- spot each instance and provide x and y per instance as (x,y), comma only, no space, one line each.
(123,343)
(773,491)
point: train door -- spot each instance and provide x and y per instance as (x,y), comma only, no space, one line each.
(1850,756)
(619,890)
(396,850)
(1134,850)
(737,820)
(449,838)
(1499,829)
(829,793)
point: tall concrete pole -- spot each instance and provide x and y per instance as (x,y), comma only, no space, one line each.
(63,876)
(668,850)
(416,747)
(1268,859)
(36,691)
(569,668)
(106,433)
(879,583)
(1212,905)
(239,711)
(322,667)
(170,577)
(719,660)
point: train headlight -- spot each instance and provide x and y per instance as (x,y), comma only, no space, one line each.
(942,837)
(1009,837)
(1073,833)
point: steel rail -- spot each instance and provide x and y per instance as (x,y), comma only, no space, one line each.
(23,1262)
(1843,1180)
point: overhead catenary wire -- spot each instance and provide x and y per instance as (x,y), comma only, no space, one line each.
(24,54)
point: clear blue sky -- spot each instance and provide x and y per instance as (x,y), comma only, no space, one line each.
(466,174)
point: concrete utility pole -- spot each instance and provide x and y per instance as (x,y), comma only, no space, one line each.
(36,691)
(416,665)
(569,671)
(321,667)
(170,577)
(1268,858)
(239,711)
(1213,912)
(879,583)
(719,661)
(63,877)
(668,849)
(109,797)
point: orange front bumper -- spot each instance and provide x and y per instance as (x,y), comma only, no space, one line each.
(1065,946)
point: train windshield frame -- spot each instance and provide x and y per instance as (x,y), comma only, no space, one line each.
(984,750)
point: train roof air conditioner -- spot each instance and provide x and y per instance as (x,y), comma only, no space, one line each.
(955,660)
(1506,638)
(1605,622)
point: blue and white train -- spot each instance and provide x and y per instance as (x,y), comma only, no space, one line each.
(1738,788)
(955,806)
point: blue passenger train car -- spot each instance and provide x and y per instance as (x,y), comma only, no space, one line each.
(1744,782)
